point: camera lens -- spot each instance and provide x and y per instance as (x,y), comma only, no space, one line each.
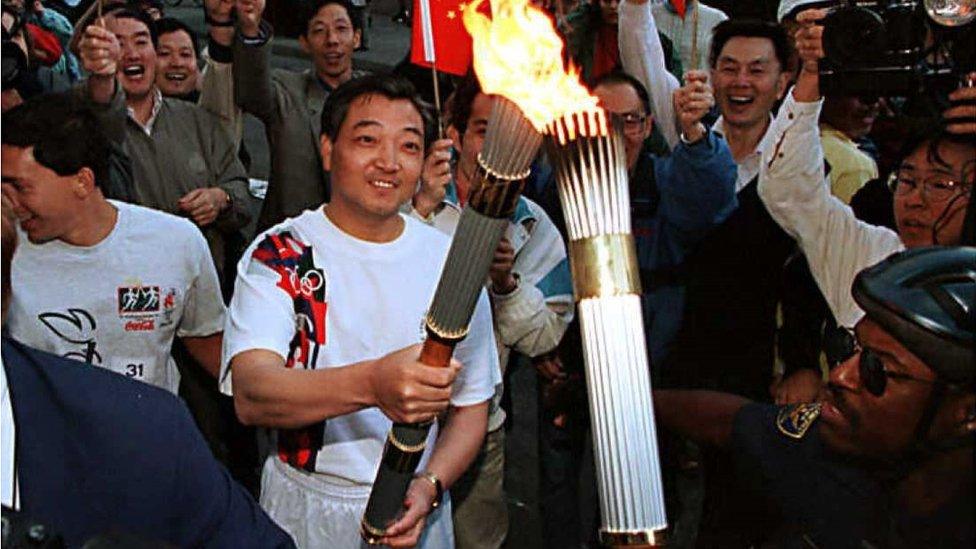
(853,36)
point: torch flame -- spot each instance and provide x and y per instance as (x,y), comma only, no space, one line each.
(519,55)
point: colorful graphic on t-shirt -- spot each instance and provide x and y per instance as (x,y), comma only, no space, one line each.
(77,326)
(138,300)
(306,285)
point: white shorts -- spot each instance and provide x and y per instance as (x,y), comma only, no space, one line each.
(323,514)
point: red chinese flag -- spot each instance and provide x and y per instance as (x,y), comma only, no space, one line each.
(450,42)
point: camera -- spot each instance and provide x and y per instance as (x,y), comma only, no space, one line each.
(898,48)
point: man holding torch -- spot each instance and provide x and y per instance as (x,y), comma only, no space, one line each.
(323,332)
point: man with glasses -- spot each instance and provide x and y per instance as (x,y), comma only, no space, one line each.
(884,458)
(932,188)
(675,199)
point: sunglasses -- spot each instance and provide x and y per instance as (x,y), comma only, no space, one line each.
(841,344)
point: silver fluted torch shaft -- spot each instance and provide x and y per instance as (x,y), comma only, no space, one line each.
(588,155)
(510,146)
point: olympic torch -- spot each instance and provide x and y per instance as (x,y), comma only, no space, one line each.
(587,153)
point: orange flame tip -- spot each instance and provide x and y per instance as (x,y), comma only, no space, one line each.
(518,55)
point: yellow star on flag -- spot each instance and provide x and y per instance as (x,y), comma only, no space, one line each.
(451,14)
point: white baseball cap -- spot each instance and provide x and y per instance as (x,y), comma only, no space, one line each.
(789,8)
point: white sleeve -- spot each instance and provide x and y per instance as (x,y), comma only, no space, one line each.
(533,318)
(642,56)
(480,372)
(203,306)
(793,186)
(261,314)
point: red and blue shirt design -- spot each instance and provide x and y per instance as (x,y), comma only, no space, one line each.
(306,285)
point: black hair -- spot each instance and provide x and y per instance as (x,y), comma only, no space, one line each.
(142,17)
(385,85)
(461,102)
(167,25)
(313,8)
(620,77)
(751,28)
(932,136)
(65,134)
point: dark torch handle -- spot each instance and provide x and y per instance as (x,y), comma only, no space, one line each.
(401,455)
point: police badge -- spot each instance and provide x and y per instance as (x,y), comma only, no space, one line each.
(795,420)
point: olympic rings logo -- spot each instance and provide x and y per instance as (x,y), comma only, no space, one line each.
(307,283)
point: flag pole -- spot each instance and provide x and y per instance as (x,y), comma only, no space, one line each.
(437,102)
(430,56)
(694,35)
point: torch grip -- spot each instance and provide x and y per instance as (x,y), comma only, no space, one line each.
(436,352)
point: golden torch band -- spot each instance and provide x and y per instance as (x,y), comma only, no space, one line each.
(510,146)
(587,153)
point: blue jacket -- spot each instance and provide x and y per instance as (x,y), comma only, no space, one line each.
(99,453)
(675,201)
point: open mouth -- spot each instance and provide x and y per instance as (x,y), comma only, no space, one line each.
(741,100)
(176,76)
(134,71)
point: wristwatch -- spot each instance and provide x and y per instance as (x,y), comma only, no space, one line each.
(438,487)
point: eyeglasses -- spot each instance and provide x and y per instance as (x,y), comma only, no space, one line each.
(633,120)
(935,188)
(842,344)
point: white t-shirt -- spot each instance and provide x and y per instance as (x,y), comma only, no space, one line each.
(119,304)
(357,301)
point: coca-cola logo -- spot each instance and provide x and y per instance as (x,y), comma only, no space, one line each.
(145,325)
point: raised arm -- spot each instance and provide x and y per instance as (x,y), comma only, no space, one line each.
(642,56)
(697,181)
(100,54)
(217,77)
(252,49)
(795,191)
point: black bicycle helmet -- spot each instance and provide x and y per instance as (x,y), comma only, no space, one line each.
(924,297)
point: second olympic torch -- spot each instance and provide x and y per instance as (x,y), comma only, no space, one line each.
(587,153)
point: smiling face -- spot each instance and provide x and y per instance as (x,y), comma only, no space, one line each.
(45,203)
(918,211)
(176,64)
(330,39)
(137,68)
(375,161)
(854,421)
(748,80)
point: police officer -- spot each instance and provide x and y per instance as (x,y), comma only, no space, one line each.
(885,457)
